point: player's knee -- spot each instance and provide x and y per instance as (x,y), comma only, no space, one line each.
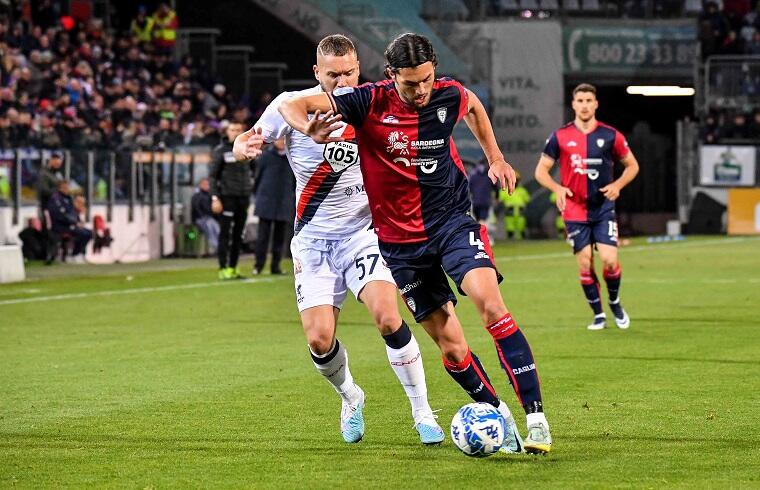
(584,264)
(320,344)
(493,309)
(610,264)
(454,352)
(387,321)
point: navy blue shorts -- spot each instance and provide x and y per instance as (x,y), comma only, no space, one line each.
(583,233)
(420,269)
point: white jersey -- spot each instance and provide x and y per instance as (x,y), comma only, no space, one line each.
(331,202)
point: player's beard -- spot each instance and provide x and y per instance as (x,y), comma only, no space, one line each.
(418,103)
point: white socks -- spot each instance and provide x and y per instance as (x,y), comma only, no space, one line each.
(334,367)
(535,418)
(407,364)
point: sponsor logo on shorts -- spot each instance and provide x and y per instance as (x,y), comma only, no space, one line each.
(481,255)
(411,286)
(411,304)
(297,267)
(299,294)
(524,369)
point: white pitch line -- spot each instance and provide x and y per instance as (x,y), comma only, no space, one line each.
(636,248)
(118,292)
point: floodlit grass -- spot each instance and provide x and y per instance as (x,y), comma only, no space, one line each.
(157,375)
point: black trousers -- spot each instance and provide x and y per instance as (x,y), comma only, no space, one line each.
(231,228)
(275,229)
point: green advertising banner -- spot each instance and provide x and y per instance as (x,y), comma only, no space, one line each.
(630,49)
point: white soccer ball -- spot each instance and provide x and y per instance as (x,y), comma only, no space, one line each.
(478,429)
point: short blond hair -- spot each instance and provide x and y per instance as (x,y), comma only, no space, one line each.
(335,45)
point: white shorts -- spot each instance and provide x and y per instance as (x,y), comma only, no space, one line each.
(324,270)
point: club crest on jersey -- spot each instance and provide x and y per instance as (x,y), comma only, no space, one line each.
(600,142)
(441,114)
(397,140)
(411,304)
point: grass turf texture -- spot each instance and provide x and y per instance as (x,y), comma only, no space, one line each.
(212,386)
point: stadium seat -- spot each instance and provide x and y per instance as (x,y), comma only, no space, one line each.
(692,7)
(528,5)
(550,5)
(571,5)
(508,6)
(591,6)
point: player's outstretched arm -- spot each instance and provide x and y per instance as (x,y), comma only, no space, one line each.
(247,145)
(544,177)
(477,120)
(630,170)
(296,112)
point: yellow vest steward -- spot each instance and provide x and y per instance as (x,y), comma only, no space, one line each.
(164,33)
(143,33)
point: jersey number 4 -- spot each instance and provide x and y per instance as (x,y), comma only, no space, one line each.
(476,242)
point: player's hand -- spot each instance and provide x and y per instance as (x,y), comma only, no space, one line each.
(248,145)
(319,129)
(216,206)
(611,191)
(562,194)
(503,173)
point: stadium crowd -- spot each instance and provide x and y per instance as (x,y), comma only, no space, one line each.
(65,83)
(732,27)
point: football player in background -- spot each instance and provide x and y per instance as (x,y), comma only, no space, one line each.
(586,150)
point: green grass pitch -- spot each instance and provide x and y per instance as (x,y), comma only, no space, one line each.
(158,376)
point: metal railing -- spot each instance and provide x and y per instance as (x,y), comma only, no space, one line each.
(108,177)
(732,82)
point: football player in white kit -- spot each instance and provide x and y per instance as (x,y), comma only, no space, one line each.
(335,249)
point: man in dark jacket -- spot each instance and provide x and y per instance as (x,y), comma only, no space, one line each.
(202,215)
(481,192)
(275,204)
(47,180)
(65,221)
(47,183)
(231,187)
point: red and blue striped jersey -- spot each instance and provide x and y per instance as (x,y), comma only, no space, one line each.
(412,172)
(586,164)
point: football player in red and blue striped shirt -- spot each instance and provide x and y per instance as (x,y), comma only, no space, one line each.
(586,150)
(418,195)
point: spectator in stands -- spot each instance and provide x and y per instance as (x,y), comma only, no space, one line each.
(710,131)
(33,240)
(202,215)
(66,223)
(716,24)
(753,47)
(754,126)
(732,44)
(275,204)
(736,10)
(165,24)
(738,129)
(142,25)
